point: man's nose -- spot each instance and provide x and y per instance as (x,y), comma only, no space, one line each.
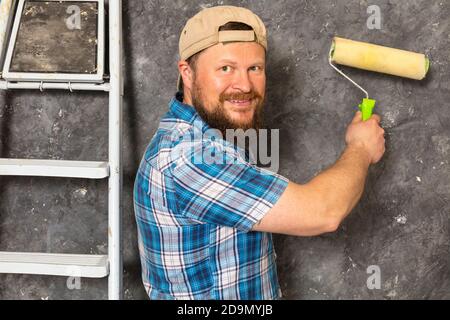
(242,82)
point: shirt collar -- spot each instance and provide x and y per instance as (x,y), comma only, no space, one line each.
(182,111)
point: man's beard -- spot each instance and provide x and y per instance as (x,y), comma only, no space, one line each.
(219,119)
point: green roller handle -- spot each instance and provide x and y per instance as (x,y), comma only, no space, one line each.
(366,107)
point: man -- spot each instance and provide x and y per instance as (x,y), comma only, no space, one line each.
(205,226)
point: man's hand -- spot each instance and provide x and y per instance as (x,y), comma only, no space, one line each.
(367,135)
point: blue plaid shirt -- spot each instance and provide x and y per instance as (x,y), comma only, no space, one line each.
(194,217)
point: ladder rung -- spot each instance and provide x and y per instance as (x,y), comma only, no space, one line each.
(75,265)
(54,168)
(54,85)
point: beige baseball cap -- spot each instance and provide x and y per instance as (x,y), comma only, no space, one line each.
(202,30)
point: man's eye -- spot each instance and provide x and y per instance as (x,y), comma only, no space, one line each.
(226,68)
(255,68)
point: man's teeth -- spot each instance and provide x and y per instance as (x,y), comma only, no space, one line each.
(239,101)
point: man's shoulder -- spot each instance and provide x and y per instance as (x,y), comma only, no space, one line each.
(177,142)
(170,133)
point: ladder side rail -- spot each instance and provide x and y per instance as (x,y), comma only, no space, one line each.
(115,152)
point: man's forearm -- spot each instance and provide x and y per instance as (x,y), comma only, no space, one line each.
(343,184)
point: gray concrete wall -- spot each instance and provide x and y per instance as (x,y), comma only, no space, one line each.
(401,223)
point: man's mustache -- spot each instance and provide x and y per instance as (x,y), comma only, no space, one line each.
(239,96)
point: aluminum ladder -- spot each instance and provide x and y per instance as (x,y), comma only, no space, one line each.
(71,265)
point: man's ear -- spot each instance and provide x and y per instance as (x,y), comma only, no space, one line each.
(187,74)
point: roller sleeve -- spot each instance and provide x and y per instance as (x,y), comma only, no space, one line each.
(377,58)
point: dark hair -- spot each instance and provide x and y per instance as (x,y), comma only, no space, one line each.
(192,60)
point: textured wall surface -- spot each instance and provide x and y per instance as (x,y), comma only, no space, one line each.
(401,223)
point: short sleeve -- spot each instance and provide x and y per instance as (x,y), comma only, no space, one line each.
(224,189)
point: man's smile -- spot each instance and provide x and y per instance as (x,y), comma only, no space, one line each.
(245,104)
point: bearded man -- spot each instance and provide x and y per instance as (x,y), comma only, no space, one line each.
(204,227)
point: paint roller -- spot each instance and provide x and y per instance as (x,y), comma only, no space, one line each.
(376,58)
